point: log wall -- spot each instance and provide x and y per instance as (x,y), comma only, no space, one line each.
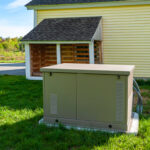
(42,55)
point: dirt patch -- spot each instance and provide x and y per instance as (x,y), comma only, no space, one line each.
(145,91)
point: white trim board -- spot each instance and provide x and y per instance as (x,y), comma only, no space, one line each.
(58,53)
(34,78)
(35,18)
(89,5)
(28,67)
(55,42)
(27,59)
(91,53)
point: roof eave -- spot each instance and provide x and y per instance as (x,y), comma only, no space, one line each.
(88,5)
(53,42)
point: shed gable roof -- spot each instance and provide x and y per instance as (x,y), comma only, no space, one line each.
(53,2)
(64,29)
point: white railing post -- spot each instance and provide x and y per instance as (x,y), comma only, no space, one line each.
(58,54)
(27,59)
(91,53)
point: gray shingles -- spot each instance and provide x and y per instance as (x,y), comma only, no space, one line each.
(64,29)
(53,2)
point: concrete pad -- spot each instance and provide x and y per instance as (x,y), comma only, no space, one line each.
(135,124)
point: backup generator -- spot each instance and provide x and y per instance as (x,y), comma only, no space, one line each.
(91,96)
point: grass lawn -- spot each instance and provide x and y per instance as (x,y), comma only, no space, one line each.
(21,109)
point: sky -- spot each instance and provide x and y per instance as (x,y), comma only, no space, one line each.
(15,19)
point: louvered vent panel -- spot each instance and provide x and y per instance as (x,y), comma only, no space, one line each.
(53,103)
(120,95)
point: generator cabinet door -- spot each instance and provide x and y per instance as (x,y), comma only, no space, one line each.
(60,95)
(97,98)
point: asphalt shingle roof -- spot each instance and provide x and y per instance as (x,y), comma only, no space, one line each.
(64,29)
(53,2)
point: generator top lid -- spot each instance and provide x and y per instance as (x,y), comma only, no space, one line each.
(90,69)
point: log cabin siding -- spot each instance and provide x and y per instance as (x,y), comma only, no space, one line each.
(42,55)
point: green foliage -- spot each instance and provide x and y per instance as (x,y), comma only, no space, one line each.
(11,44)
(11,50)
(143,82)
(1,46)
(21,108)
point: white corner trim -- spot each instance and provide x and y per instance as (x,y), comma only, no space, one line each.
(27,59)
(35,18)
(28,67)
(58,54)
(91,53)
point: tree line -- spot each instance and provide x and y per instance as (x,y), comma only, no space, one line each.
(11,44)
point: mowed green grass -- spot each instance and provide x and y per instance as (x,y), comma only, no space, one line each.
(21,109)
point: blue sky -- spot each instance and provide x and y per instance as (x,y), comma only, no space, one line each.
(15,19)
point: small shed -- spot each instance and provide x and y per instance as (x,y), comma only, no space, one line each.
(63,40)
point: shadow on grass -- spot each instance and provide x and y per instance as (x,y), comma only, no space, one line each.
(18,93)
(27,134)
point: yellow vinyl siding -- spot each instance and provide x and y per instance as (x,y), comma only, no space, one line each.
(126,33)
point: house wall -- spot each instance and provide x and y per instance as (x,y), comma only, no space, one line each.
(126,33)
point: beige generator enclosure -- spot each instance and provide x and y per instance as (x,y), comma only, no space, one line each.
(89,96)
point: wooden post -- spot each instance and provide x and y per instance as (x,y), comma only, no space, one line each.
(27,59)
(58,54)
(91,53)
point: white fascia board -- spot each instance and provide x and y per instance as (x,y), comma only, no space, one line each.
(56,42)
(89,5)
